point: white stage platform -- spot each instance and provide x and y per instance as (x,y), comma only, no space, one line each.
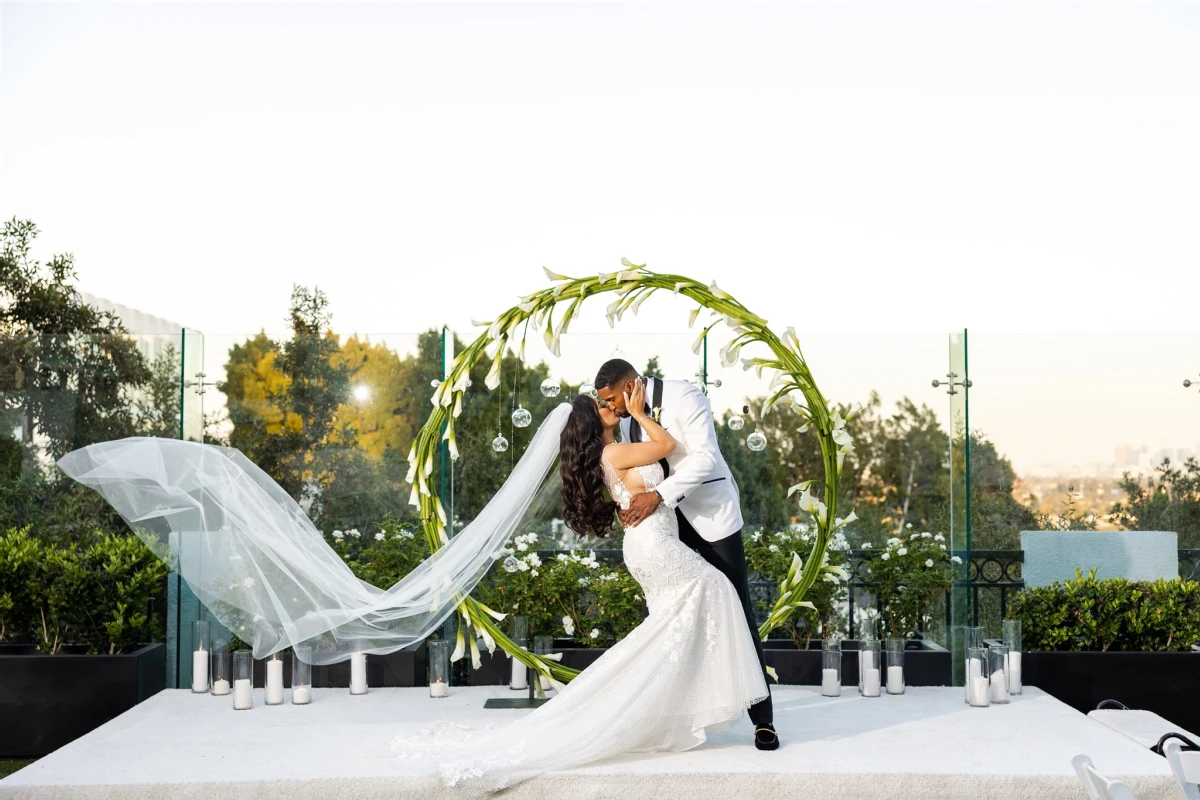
(926,744)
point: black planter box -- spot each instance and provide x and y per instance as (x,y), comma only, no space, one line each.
(925,663)
(48,701)
(399,668)
(1167,683)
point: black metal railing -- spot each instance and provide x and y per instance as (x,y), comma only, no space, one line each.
(1189,565)
(993,578)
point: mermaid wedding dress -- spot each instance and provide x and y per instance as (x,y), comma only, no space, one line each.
(687,669)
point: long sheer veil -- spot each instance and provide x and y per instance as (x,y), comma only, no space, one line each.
(261,567)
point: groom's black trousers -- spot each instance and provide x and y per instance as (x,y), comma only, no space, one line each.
(729,557)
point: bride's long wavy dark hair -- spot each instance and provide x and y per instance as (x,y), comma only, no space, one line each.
(585,508)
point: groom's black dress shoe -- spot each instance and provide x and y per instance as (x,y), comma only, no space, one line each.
(765,737)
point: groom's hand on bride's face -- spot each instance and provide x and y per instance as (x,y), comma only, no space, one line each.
(641,506)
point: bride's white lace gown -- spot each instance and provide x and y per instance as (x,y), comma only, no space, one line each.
(689,668)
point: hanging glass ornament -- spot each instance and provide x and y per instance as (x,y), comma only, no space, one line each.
(521,417)
(551,388)
(587,388)
(736,422)
(500,444)
(510,564)
(756,441)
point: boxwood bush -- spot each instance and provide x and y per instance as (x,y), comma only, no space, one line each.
(1114,614)
(98,595)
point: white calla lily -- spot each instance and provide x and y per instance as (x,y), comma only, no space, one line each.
(800,487)
(460,646)
(488,641)
(696,345)
(478,324)
(716,290)
(638,303)
(842,437)
(554,276)
(476,658)
(625,262)
(493,377)
(695,313)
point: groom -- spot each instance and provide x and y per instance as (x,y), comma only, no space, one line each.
(698,485)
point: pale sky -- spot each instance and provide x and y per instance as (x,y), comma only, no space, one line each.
(865,170)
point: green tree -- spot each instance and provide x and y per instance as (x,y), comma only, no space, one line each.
(1168,500)
(158,405)
(70,376)
(67,370)
(652,369)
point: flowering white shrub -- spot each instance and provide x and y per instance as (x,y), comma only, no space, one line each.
(559,594)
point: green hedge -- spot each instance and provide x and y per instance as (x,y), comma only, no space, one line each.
(1115,614)
(96,595)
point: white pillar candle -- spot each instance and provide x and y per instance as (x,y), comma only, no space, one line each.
(978,691)
(830,685)
(358,673)
(999,686)
(301,695)
(220,686)
(871,682)
(243,693)
(200,671)
(895,680)
(274,681)
(1013,668)
(439,689)
(520,675)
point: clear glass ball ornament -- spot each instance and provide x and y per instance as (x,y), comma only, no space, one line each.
(499,444)
(510,564)
(521,417)
(551,388)
(736,422)
(756,441)
(587,388)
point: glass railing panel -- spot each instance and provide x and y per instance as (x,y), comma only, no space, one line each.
(60,392)
(1081,445)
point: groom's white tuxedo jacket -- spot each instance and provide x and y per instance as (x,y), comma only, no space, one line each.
(700,484)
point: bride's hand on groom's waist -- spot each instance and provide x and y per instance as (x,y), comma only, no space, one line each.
(641,506)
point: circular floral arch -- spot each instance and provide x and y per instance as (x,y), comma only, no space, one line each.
(631,286)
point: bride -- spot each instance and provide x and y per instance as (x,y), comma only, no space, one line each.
(261,567)
(689,668)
